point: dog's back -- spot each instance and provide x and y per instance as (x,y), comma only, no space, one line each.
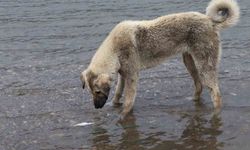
(168,35)
(155,40)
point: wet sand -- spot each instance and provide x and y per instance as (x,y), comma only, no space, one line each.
(44,45)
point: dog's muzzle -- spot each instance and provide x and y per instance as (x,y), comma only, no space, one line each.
(100,101)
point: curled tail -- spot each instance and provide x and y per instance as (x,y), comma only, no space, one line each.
(224,13)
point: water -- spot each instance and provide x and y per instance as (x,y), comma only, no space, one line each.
(44,45)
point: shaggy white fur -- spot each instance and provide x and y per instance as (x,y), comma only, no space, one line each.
(225,12)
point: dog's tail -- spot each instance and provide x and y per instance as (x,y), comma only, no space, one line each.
(224,13)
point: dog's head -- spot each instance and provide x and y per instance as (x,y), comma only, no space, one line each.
(98,85)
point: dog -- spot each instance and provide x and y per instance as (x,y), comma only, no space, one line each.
(137,45)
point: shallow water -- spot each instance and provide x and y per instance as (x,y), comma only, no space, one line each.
(44,45)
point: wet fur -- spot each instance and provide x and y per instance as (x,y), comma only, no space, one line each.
(136,45)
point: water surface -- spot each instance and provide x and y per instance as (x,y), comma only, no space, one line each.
(44,45)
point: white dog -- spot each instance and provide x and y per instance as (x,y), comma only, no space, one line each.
(135,45)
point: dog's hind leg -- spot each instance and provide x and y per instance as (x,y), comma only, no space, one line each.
(190,65)
(206,61)
(118,91)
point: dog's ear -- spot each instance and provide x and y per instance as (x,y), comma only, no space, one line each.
(82,77)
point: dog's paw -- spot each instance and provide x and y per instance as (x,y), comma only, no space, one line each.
(117,104)
(123,116)
(216,111)
(196,97)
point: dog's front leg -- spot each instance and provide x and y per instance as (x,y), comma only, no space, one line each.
(118,91)
(130,93)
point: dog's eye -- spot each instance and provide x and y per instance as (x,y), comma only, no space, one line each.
(98,92)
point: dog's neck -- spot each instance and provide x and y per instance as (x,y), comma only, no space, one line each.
(105,59)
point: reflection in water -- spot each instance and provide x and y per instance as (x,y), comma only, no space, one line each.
(101,139)
(129,137)
(201,132)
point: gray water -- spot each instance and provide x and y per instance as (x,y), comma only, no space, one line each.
(45,44)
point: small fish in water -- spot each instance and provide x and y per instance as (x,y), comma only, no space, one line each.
(83,124)
(234,94)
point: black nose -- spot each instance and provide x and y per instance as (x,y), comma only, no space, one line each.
(99,102)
